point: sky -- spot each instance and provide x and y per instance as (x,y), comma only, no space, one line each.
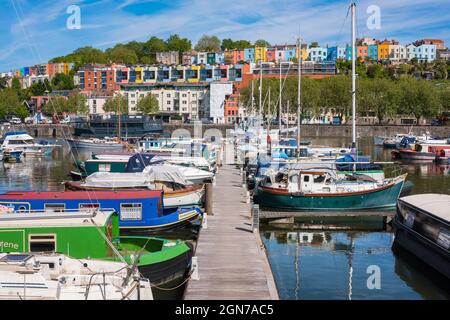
(34,31)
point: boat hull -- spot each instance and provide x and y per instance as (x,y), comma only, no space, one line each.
(187,197)
(415,155)
(82,145)
(376,199)
(422,248)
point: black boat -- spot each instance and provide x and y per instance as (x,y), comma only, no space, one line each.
(131,126)
(422,227)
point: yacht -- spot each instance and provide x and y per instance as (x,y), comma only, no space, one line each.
(22,141)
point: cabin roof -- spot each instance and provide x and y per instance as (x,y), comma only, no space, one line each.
(436,204)
(54,219)
(90,196)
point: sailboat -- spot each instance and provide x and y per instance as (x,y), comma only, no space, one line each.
(320,188)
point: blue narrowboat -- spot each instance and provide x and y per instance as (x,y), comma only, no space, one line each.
(140,212)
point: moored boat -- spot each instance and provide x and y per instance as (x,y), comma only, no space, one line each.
(422,227)
(318,189)
(52,276)
(22,141)
(96,144)
(164,262)
(140,212)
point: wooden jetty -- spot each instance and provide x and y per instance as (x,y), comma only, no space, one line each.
(232,263)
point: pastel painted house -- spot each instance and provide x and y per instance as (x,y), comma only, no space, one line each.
(249,54)
(317,54)
(260,54)
(362,52)
(372,51)
(334,53)
(426,53)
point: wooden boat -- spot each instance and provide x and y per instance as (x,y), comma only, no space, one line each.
(51,276)
(422,227)
(95,235)
(140,212)
(322,190)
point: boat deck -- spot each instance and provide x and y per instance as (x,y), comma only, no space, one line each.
(232,263)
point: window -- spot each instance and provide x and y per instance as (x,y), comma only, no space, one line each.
(54,207)
(104,167)
(306,178)
(130,211)
(42,242)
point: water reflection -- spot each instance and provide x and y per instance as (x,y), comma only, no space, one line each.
(333,265)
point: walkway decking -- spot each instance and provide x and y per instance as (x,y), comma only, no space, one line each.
(232,263)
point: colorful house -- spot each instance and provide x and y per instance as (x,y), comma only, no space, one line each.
(249,54)
(362,52)
(334,53)
(260,54)
(383,50)
(317,54)
(271,55)
(372,51)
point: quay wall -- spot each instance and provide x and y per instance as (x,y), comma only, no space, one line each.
(345,131)
(307,130)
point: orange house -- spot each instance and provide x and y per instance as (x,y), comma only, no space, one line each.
(362,52)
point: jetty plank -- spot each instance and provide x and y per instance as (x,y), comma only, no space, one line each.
(232,262)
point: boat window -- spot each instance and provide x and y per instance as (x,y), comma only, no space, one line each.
(306,178)
(42,242)
(130,211)
(319,179)
(54,207)
(88,206)
(104,167)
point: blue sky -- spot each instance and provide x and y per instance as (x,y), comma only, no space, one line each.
(35,31)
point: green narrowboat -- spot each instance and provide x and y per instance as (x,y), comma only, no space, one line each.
(95,235)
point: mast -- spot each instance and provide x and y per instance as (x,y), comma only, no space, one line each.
(268,115)
(118,113)
(253,96)
(279,105)
(260,93)
(299,101)
(353,7)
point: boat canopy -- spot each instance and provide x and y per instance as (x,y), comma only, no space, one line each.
(160,173)
(435,204)
(139,161)
(15,133)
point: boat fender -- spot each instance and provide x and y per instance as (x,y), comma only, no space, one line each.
(205,221)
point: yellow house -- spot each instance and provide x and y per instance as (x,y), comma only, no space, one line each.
(383,50)
(195,70)
(139,74)
(260,54)
(304,54)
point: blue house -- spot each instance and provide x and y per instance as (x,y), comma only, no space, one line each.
(372,51)
(249,54)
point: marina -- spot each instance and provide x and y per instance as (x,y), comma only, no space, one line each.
(231,170)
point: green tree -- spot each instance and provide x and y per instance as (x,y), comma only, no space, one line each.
(335,95)
(122,54)
(261,43)
(112,104)
(440,70)
(9,102)
(175,43)
(148,105)
(314,44)
(419,98)
(150,48)
(208,43)
(77,104)
(62,81)
(3,83)
(56,105)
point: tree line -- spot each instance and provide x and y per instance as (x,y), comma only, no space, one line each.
(136,52)
(380,97)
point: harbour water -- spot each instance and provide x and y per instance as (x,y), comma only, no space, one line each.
(338,264)
(306,264)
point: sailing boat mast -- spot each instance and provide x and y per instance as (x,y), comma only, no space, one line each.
(353,7)
(279,104)
(118,113)
(299,101)
(260,94)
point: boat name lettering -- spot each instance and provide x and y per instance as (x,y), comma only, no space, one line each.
(8,245)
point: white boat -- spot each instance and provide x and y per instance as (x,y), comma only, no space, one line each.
(178,191)
(107,144)
(31,276)
(379,140)
(22,141)
(196,162)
